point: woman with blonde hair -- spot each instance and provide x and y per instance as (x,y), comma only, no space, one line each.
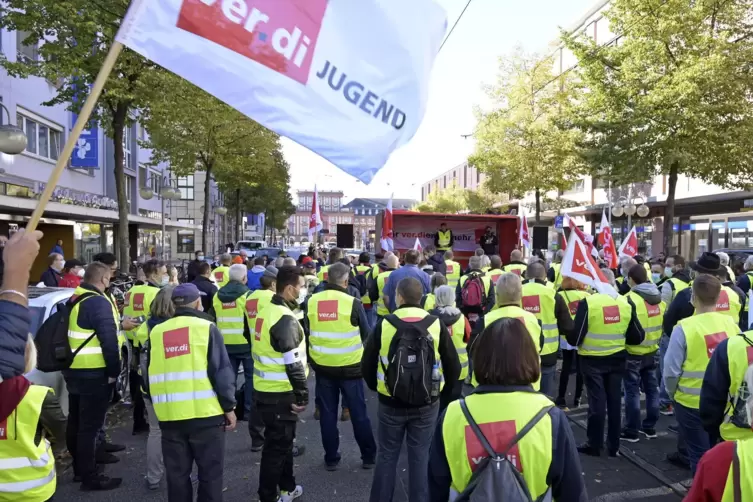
(573,292)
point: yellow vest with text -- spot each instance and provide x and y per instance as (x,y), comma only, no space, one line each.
(500,417)
(138,302)
(516,268)
(323,273)
(407,314)
(651,318)
(572,298)
(744,484)
(89,357)
(703,332)
(221,275)
(231,319)
(382,309)
(453,272)
(178,382)
(557,276)
(457,334)
(269,365)
(333,340)
(256,302)
(608,321)
(443,238)
(27,469)
(494,275)
(530,321)
(729,303)
(740,356)
(539,300)
(363,270)
(429,302)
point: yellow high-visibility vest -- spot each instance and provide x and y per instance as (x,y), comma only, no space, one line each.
(743,484)
(494,275)
(323,273)
(453,273)
(740,355)
(457,334)
(557,276)
(269,365)
(138,302)
(444,240)
(516,268)
(651,318)
(231,319)
(382,309)
(333,340)
(221,275)
(256,302)
(178,379)
(539,300)
(608,321)
(572,298)
(729,303)
(531,324)
(89,357)
(428,302)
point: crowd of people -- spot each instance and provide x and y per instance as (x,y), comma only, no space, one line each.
(463,360)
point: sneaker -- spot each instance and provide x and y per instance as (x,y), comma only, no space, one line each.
(678,460)
(290,496)
(674,429)
(298,450)
(649,433)
(114,448)
(368,464)
(316,413)
(630,437)
(101,483)
(107,458)
(78,479)
(152,486)
(345,415)
(332,467)
(587,449)
(667,410)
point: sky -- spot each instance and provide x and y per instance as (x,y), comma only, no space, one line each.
(469,60)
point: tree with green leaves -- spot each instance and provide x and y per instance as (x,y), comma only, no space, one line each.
(194,131)
(519,144)
(671,97)
(73,37)
(449,200)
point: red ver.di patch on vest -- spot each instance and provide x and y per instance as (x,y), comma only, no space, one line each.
(257,328)
(653,310)
(712,341)
(252,307)
(327,310)
(175,342)
(573,306)
(722,305)
(532,304)
(499,435)
(4,429)
(138,301)
(611,314)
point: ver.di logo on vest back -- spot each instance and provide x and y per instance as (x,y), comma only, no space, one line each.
(229,305)
(326,310)
(218,276)
(4,429)
(573,306)
(450,269)
(611,314)
(532,304)
(257,328)
(712,341)
(722,305)
(175,342)
(138,301)
(499,435)
(653,310)
(252,307)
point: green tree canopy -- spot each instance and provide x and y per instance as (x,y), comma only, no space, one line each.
(454,199)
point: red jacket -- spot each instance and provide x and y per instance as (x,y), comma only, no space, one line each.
(711,474)
(69,281)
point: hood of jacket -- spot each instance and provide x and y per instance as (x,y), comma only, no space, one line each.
(435,259)
(683,275)
(649,292)
(448,315)
(231,291)
(257,269)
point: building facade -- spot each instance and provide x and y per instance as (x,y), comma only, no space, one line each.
(365,213)
(332,211)
(463,175)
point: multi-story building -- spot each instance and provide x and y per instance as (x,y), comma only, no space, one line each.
(365,213)
(332,212)
(463,175)
(83,211)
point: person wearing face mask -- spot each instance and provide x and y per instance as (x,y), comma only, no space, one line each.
(626,264)
(51,277)
(657,275)
(193,267)
(73,272)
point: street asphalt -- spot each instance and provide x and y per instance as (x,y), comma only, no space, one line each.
(641,473)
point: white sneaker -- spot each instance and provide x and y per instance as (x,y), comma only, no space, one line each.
(291,496)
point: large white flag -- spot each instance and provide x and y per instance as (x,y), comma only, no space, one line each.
(579,264)
(629,246)
(347,79)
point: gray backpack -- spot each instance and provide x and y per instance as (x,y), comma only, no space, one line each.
(497,479)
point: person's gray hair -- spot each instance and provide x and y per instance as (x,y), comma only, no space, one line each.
(162,306)
(279,262)
(509,289)
(237,272)
(485,261)
(338,273)
(536,270)
(723,258)
(748,263)
(445,296)
(226,258)
(289,262)
(609,275)
(474,263)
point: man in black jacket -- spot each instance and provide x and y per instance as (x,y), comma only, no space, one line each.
(489,242)
(207,288)
(198,439)
(337,363)
(193,270)
(436,260)
(53,274)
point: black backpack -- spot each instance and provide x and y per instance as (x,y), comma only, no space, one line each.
(408,376)
(53,348)
(496,478)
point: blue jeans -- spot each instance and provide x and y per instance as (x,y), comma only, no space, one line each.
(641,370)
(328,392)
(548,374)
(693,434)
(664,399)
(394,424)
(248,374)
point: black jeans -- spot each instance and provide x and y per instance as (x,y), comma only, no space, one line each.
(87,408)
(276,470)
(137,399)
(180,449)
(446,399)
(604,384)
(570,362)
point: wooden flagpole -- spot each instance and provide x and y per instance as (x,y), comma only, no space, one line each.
(83,119)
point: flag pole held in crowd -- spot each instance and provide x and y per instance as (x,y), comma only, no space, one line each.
(78,127)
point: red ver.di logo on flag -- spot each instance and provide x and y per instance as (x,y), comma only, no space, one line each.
(175,342)
(280,34)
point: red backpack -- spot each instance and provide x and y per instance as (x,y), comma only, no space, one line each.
(473,291)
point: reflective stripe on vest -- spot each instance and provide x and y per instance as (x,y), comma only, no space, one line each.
(231,319)
(389,331)
(650,318)
(539,300)
(27,470)
(269,365)
(740,356)
(256,302)
(453,273)
(703,332)
(382,309)
(333,340)
(608,321)
(500,417)
(443,239)
(743,485)
(138,302)
(178,380)
(221,275)
(530,321)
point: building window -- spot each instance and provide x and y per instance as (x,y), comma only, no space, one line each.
(577,187)
(444,182)
(155,180)
(143,176)
(186,240)
(185,185)
(190,221)
(127,157)
(26,53)
(44,138)
(465,176)
(142,132)
(128,180)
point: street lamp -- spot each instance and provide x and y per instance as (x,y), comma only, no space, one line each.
(12,138)
(626,206)
(165,192)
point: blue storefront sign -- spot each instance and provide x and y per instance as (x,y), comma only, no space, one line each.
(86,152)
(559,221)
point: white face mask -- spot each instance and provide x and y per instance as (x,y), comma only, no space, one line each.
(80,272)
(302,295)
(200,257)
(165,280)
